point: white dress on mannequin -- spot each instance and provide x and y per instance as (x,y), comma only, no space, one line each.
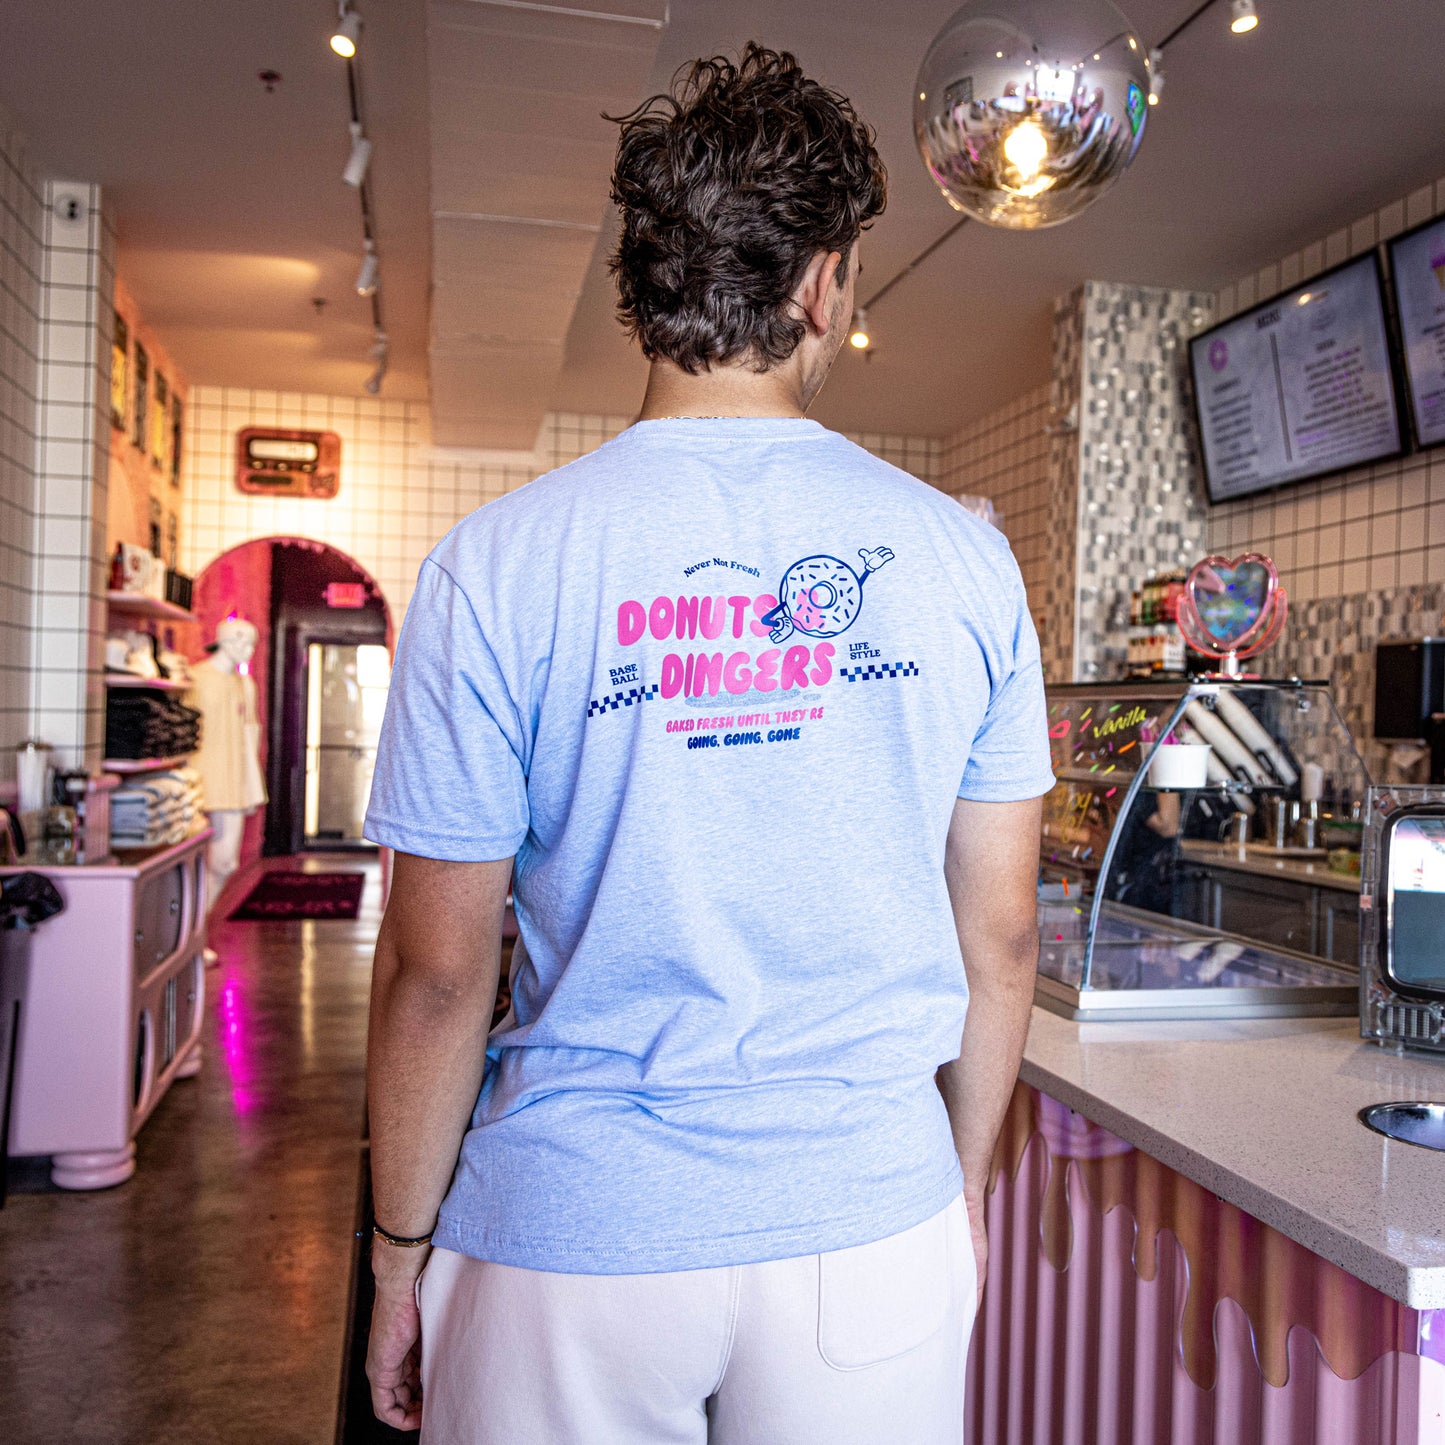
(228,758)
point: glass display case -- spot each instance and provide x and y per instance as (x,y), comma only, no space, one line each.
(1200,852)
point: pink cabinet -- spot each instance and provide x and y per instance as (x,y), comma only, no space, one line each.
(112,1013)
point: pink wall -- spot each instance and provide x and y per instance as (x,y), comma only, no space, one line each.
(239,582)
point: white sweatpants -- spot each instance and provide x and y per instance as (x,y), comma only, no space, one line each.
(863,1346)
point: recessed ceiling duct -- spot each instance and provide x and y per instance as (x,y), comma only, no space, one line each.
(521,159)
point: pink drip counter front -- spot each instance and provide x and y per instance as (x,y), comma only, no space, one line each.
(1129,1303)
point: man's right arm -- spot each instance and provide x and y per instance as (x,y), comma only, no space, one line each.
(991,864)
(438,958)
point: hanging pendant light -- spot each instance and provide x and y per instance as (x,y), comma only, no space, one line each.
(1027,111)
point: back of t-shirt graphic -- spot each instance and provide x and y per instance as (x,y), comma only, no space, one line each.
(718,685)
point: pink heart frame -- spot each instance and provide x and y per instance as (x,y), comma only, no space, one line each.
(1217,575)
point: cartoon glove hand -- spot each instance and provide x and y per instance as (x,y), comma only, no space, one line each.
(872,561)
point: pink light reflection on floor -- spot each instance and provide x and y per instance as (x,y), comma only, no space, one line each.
(234,1044)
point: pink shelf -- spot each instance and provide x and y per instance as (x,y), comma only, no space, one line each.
(144,765)
(161,684)
(142,606)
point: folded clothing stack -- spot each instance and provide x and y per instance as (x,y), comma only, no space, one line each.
(156,810)
(143,723)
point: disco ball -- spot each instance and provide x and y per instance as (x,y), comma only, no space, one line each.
(1027,111)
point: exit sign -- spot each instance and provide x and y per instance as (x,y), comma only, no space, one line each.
(346,594)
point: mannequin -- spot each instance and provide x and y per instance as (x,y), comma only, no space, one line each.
(228,760)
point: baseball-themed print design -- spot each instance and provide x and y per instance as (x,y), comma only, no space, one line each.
(710,649)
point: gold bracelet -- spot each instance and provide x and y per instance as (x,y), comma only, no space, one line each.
(400,1241)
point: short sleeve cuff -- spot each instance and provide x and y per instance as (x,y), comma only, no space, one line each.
(1015,790)
(444,847)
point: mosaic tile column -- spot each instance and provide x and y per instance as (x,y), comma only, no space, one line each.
(1058,642)
(67,700)
(1127,497)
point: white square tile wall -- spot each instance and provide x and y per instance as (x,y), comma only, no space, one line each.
(1362,555)
(72,451)
(1367,530)
(22,262)
(54,377)
(398,494)
(1005,457)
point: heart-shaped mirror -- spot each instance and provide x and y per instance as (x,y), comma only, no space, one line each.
(1231,603)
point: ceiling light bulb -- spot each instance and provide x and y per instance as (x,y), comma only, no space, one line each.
(1026,147)
(366,277)
(355,172)
(1156,76)
(347,33)
(1243,17)
(859,338)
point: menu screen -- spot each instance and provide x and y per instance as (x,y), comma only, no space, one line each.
(1297,387)
(1417,262)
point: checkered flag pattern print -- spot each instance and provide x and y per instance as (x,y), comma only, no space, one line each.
(621,699)
(872,670)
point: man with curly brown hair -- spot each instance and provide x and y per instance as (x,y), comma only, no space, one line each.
(757,721)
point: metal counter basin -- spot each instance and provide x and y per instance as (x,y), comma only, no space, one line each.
(1410,1123)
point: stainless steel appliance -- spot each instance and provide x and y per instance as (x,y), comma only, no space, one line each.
(1402,913)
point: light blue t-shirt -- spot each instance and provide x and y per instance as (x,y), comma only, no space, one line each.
(717,685)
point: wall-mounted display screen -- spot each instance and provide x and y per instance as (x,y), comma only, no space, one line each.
(1417,269)
(1297,387)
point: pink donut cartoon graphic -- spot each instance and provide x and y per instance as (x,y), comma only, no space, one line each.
(821,596)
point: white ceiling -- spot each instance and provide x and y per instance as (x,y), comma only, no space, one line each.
(233,217)
(1261,144)
(520,163)
(230,204)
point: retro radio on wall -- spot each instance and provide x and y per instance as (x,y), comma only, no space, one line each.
(274,462)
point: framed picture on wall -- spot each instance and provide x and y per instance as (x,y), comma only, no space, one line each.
(160,423)
(140,397)
(119,372)
(178,426)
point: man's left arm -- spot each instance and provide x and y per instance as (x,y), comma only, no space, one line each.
(434,984)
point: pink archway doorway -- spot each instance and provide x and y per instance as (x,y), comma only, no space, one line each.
(298,592)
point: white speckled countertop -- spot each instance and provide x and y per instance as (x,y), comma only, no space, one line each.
(1262,1113)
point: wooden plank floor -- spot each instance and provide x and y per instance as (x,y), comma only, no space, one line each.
(206,1299)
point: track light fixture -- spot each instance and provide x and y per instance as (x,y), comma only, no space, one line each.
(366,278)
(380,353)
(355,172)
(1156,76)
(345,37)
(858,337)
(1243,17)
